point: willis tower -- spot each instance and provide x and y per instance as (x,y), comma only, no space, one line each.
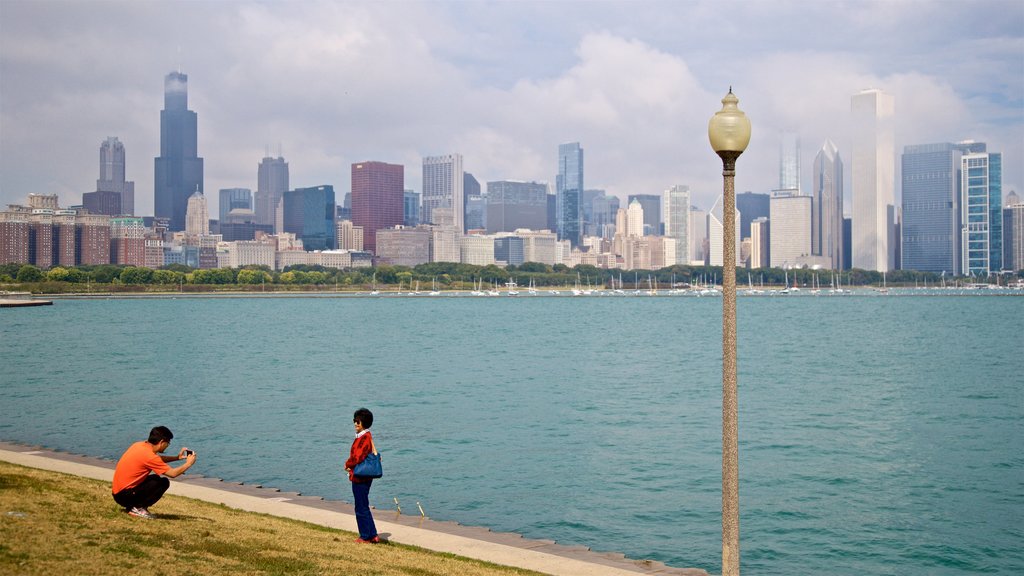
(179,169)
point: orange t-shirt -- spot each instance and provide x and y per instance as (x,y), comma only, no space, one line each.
(135,464)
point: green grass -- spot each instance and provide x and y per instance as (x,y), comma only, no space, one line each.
(52,523)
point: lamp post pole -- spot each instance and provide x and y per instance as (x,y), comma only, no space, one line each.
(729,132)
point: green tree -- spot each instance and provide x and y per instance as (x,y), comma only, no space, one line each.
(252,277)
(29,273)
(167,277)
(106,273)
(136,275)
(57,274)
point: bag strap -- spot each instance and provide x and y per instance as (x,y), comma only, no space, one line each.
(373,446)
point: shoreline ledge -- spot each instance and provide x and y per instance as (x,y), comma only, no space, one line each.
(479,543)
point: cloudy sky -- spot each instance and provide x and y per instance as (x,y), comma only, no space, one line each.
(502,83)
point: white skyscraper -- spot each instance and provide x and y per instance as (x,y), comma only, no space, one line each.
(698,234)
(873,188)
(197,215)
(443,180)
(790,237)
(635,219)
(827,215)
(716,247)
(789,162)
(676,212)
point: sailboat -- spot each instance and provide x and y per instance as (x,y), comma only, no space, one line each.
(532,290)
(374,291)
(511,286)
(433,287)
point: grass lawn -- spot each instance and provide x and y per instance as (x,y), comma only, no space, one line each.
(52,524)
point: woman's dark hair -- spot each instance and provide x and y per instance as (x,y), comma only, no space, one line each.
(364,417)
(159,434)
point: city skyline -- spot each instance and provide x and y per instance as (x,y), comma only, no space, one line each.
(634,83)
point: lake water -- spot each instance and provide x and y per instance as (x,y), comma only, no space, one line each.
(878,435)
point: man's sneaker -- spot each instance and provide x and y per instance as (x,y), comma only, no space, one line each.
(141,513)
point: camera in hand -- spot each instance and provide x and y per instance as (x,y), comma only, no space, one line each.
(188,453)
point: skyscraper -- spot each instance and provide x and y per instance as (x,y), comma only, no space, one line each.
(676,204)
(271,184)
(378,198)
(715,231)
(873,172)
(512,205)
(231,198)
(443,182)
(178,170)
(411,209)
(569,193)
(931,207)
(751,206)
(981,214)
(652,213)
(789,162)
(634,219)
(1011,236)
(111,178)
(309,214)
(827,210)
(790,238)
(471,194)
(197,215)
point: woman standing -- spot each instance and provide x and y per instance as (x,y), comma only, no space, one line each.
(362,446)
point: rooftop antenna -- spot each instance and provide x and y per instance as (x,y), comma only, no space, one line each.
(279,154)
(179,58)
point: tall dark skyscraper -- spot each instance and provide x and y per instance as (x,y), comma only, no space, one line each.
(378,197)
(272,183)
(178,170)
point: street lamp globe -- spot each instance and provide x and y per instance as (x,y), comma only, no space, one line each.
(729,128)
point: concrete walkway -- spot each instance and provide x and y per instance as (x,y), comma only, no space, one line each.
(478,543)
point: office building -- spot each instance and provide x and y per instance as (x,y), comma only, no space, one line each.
(751,206)
(232,198)
(981,214)
(605,207)
(931,201)
(106,202)
(477,250)
(471,195)
(402,246)
(635,225)
(309,214)
(827,206)
(443,187)
(272,181)
(411,211)
(350,236)
(789,163)
(790,238)
(569,193)
(512,205)
(698,235)
(476,212)
(676,204)
(652,212)
(445,244)
(1013,236)
(760,243)
(509,250)
(716,246)
(873,180)
(112,164)
(179,169)
(127,241)
(197,215)
(378,199)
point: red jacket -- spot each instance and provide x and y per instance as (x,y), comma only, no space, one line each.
(362,446)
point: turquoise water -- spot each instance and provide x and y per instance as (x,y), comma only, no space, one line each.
(877,435)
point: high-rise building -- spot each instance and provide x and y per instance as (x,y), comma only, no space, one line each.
(827,206)
(401,246)
(471,194)
(760,243)
(271,184)
(698,235)
(1011,237)
(477,250)
(112,175)
(1013,233)
(873,173)
(197,215)
(652,213)
(309,214)
(751,206)
(378,198)
(569,193)
(512,205)
(676,204)
(102,202)
(443,187)
(411,211)
(179,169)
(931,207)
(127,241)
(715,228)
(981,214)
(790,238)
(350,237)
(634,219)
(232,198)
(605,208)
(789,162)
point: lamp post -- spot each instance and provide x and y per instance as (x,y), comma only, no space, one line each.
(729,132)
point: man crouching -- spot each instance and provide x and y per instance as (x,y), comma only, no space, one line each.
(134,487)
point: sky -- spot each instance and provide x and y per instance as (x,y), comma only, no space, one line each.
(329,84)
